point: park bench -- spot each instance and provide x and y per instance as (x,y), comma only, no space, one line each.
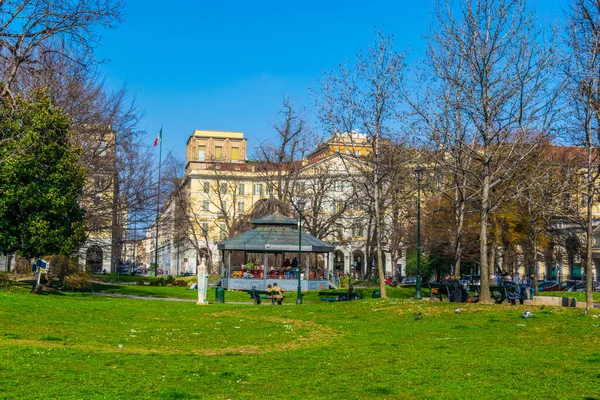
(503,292)
(258,295)
(440,290)
(339,296)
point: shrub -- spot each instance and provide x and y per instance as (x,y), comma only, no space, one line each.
(61,266)
(169,280)
(344,281)
(6,282)
(180,282)
(140,283)
(78,281)
(158,282)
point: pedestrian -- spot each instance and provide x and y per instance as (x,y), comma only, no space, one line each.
(529,290)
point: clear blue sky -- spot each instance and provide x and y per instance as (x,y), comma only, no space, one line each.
(228,65)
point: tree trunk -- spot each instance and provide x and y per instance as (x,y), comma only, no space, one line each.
(484,290)
(536,271)
(380,266)
(115,248)
(460,218)
(589,300)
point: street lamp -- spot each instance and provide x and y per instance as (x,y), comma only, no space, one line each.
(419,176)
(300,206)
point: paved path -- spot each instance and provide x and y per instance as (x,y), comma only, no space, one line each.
(127,296)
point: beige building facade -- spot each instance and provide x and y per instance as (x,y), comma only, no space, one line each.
(222,187)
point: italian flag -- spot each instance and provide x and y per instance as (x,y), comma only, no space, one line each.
(158,138)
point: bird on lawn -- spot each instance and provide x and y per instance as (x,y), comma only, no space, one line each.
(526,314)
(418,316)
(586,311)
(457,311)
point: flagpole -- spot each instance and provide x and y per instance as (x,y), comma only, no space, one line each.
(158,205)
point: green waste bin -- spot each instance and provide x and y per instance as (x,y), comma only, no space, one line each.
(220,295)
(376,294)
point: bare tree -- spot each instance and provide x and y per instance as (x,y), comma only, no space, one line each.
(489,57)
(365,97)
(583,76)
(280,159)
(31,30)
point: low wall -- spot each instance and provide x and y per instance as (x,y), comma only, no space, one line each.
(552,301)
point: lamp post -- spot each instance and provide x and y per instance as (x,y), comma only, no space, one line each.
(419,176)
(300,206)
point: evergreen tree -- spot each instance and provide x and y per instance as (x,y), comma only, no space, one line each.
(40,180)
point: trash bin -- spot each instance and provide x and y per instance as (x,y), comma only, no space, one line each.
(376,294)
(220,295)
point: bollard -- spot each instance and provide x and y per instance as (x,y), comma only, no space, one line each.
(220,295)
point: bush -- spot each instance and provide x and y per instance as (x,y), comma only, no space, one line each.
(344,282)
(158,282)
(169,280)
(60,267)
(140,283)
(6,282)
(78,281)
(179,282)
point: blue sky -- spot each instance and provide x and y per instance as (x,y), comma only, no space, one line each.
(228,65)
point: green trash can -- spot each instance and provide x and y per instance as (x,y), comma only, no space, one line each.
(220,295)
(376,294)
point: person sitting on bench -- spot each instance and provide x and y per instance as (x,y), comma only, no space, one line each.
(255,295)
(276,293)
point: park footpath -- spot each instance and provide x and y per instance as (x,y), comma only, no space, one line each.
(127,296)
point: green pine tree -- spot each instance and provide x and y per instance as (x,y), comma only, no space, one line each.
(40,180)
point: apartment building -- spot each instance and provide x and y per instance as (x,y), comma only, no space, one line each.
(223,186)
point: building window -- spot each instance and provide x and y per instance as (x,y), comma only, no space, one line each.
(218,152)
(357,231)
(339,232)
(224,207)
(206,187)
(204,228)
(205,205)
(338,206)
(241,206)
(235,153)
(223,188)
(270,188)
(258,189)
(241,189)
(102,147)
(201,153)
(222,231)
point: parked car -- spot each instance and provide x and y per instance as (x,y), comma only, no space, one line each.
(580,287)
(543,285)
(561,287)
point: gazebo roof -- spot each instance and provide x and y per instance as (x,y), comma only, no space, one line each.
(276,220)
(275,234)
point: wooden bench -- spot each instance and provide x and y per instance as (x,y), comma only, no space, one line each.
(258,295)
(339,296)
(439,290)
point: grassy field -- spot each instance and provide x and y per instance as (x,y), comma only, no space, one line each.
(76,346)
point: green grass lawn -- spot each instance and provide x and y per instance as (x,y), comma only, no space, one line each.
(230,295)
(82,346)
